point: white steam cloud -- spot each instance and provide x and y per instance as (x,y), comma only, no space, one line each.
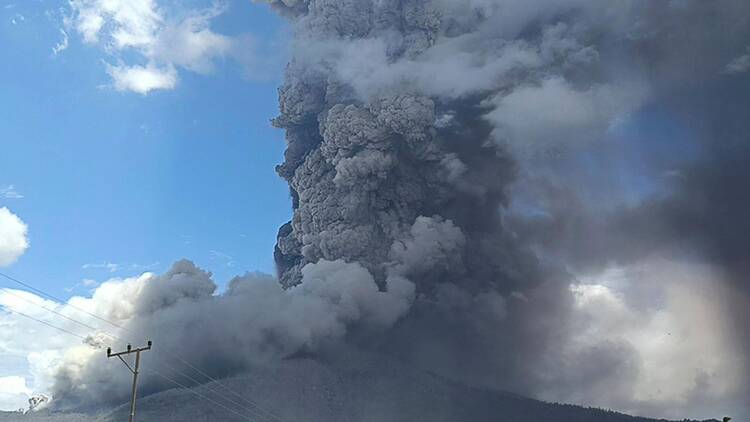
(13,237)
(161,44)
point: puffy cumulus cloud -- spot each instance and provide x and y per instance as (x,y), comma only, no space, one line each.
(142,79)
(191,44)
(13,237)
(254,321)
(133,23)
(163,43)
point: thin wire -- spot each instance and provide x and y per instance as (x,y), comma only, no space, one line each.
(268,413)
(149,370)
(45,323)
(10,292)
(56,299)
(256,412)
(255,408)
(199,394)
(6,351)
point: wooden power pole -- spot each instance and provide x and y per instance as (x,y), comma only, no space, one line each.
(134,370)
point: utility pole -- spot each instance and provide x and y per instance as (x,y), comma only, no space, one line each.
(137,352)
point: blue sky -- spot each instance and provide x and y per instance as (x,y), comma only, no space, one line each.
(112,176)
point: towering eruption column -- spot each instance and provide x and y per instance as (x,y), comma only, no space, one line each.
(381,170)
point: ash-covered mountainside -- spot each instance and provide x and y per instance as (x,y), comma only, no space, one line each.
(364,388)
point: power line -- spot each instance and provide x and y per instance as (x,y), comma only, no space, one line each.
(255,408)
(45,323)
(268,414)
(256,411)
(152,370)
(6,351)
(58,300)
(10,292)
(177,383)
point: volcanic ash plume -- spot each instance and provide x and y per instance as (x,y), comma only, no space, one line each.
(408,124)
(253,322)
(402,182)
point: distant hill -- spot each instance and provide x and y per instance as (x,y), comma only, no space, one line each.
(361,390)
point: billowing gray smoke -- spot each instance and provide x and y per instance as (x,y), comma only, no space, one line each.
(409,122)
(255,321)
(458,168)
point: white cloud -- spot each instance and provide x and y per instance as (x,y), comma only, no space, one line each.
(114,267)
(13,237)
(669,315)
(86,282)
(142,79)
(740,64)
(109,266)
(10,192)
(191,44)
(13,392)
(221,256)
(126,23)
(13,385)
(28,348)
(122,27)
(35,350)
(63,44)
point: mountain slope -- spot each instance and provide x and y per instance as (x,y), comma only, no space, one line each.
(362,390)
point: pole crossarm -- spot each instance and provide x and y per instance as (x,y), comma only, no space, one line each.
(134,370)
(128,351)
